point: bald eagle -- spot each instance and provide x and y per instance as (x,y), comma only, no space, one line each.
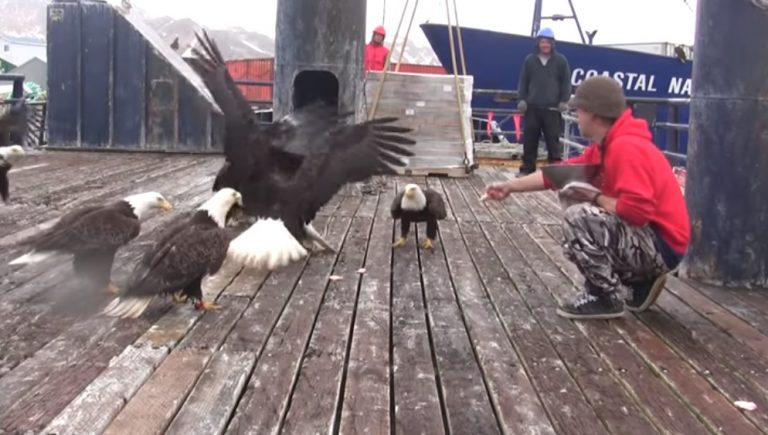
(288,170)
(180,259)
(93,235)
(414,204)
(6,153)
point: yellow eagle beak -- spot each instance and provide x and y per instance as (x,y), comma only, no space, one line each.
(166,206)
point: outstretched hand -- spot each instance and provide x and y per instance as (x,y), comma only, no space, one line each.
(496,191)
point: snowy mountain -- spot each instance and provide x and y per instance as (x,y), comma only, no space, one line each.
(28,18)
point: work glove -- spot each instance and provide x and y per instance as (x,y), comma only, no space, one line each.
(522,106)
(563,107)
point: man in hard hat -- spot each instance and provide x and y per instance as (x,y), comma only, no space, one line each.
(543,91)
(632,227)
(375,52)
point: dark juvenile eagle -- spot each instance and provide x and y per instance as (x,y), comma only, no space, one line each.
(6,154)
(183,255)
(414,204)
(290,169)
(93,235)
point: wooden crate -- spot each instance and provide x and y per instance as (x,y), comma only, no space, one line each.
(427,103)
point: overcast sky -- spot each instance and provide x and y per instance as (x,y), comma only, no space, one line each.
(618,21)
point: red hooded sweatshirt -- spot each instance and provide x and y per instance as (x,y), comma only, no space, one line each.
(636,172)
(375,56)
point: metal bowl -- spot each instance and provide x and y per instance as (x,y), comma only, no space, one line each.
(561,175)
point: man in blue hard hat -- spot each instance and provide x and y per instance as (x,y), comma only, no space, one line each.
(543,91)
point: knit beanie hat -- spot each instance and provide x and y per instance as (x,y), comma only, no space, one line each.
(600,95)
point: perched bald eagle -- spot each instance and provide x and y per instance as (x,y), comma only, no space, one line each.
(414,204)
(94,234)
(180,259)
(6,154)
(290,169)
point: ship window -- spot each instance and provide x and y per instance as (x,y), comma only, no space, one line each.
(311,86)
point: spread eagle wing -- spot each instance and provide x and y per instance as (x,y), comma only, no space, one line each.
(435,204)
(344,154)
(195,251)
(5,167)
(242,148)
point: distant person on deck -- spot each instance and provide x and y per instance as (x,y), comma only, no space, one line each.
(632,232)
(375,51)
(543,91)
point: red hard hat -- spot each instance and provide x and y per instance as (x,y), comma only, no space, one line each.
(380,30)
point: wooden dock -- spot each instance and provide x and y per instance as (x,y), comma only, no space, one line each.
(461,340)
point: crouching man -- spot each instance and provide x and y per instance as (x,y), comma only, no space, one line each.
(632,232)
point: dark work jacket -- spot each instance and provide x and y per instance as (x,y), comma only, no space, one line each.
(545,85)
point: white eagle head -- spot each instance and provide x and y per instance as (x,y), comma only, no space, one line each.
(12,151)
(220,203)
(413,198)
(142,203)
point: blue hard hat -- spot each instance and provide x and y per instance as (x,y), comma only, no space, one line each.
(546,33)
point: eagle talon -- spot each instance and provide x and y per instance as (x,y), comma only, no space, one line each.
(427,244)
(179,297)
(206,306)
(399,243)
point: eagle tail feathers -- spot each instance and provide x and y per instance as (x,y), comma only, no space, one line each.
(267,244)
(31,258)
(128,307)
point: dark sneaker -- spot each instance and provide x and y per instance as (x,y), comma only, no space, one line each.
(645,293)
(588,306)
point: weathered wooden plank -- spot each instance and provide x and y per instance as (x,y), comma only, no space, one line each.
(64,381)
(615,406)
(93,409)
(479,209)
(453,198)
(214,327)
(515,291)
(315,398)
(710,406)
(247,283)
(740,358)
(417,399)
(714,368)
(154,405)
(733,300)
(519,410)
(734,326)
(266,398)
(212,401)
(366,400)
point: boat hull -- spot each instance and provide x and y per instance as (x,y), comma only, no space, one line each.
(495,59)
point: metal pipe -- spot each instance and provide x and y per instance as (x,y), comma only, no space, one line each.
(728,158)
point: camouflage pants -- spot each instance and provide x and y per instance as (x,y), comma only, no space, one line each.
(609,252)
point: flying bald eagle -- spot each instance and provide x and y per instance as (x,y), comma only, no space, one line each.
(6,154)
(93,235)
(290,169)
(181,258)
(414,204)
